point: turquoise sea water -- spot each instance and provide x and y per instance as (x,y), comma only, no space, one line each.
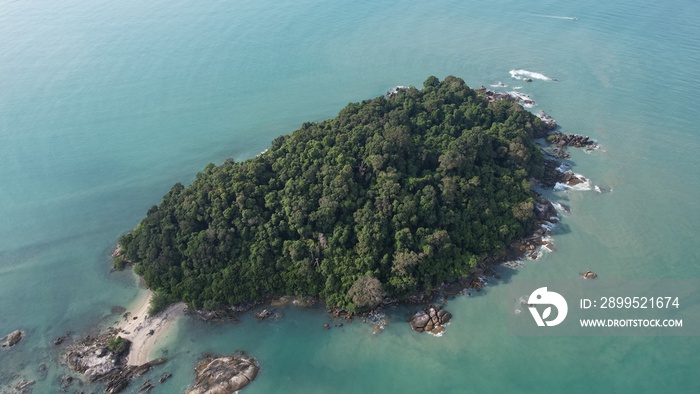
(104,105)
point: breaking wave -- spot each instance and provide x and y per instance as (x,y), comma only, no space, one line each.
(560,207)
(520,74)
(584,185)
(523,99)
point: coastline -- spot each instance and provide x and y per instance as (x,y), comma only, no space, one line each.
(122,352)
(146,332)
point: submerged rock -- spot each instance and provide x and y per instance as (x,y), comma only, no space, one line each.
(263,314)
(12,338)
(224,375)
(117,310)
(146,387)
(65,381)
(23,386)
(59,340)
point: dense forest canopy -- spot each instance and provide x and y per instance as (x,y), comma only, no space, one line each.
(392,197)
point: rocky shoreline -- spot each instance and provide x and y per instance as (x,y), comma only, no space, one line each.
(103,358)
(561,141)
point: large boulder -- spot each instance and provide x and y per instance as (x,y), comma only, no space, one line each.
(12,338)
(419,321)
(446,318)
(430,319)
(224,375)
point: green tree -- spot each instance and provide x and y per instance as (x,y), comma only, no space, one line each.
(393,196)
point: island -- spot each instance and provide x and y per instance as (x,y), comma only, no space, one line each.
(394,197)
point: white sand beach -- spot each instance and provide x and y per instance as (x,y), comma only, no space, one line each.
(145,332)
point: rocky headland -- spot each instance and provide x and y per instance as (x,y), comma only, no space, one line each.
(103,358)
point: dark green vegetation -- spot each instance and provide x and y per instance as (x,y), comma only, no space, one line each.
(394,196)
(159,301)
(119,263)
(118,345)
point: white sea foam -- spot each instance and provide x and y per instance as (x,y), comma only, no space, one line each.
(396,89)
(548,244)
(591,148)
(563,168)
(549,226)
(499,85)
(536,254)
(520,74)
(514,264)
(523,99)
(559,207)
(584,185)
(517,87)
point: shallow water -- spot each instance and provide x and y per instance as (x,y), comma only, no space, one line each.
(104,105)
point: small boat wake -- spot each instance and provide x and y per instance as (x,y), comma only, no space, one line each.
(568,18)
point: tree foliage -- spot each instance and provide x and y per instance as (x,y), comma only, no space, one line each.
(118,345)
(393,196)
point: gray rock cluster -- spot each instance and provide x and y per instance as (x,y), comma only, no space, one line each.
(578,141)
